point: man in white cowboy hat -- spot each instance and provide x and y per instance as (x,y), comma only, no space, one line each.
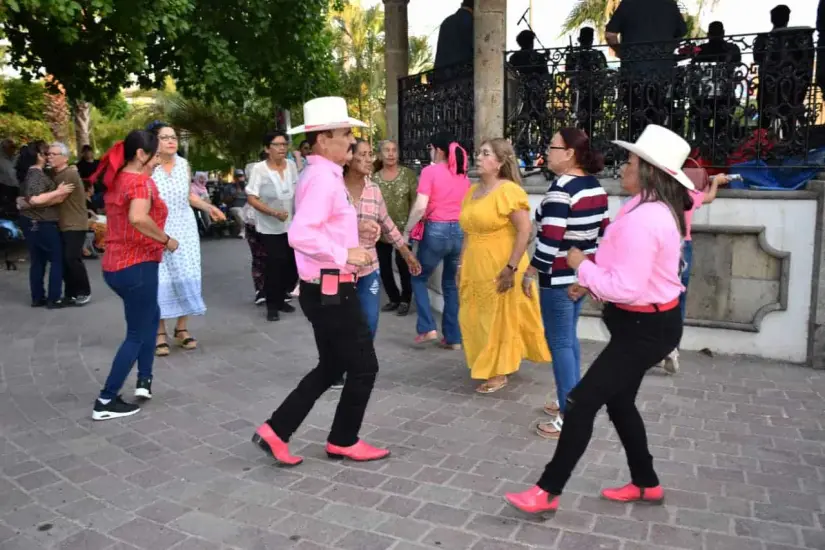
(324,234)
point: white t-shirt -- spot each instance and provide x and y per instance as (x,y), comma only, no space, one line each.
(275,191)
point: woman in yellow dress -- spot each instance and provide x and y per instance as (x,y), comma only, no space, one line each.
(500,324)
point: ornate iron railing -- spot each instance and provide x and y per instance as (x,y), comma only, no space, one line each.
(753,96)
(437,100)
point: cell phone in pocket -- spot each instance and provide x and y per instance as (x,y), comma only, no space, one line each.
(330,287)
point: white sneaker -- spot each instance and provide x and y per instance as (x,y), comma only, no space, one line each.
(671,362)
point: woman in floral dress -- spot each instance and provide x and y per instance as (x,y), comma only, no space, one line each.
(179,276)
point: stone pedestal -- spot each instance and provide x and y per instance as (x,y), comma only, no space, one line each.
(490,28)
(396,57)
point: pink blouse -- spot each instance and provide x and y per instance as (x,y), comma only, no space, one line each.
(637,262)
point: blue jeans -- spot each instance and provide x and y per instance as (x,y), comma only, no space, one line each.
(137,286)
(45,247)
(441,242)
(368,289)
(687,256)
(561,316)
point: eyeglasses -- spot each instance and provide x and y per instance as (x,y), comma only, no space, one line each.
(168,138)
(557,147)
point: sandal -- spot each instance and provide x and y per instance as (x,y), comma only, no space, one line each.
(552,407)
(453,347)
(488,387)
(426,337)
(550,430)
(186,342)
(161,348)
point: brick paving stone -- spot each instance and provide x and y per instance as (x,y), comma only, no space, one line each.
(739,444)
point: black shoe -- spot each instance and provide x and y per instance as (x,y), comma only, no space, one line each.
(390,307)
(338,384)
(403,309)
(116,408)
(82,300)
(144,388)
(59,304)
(272,316)
(39,303)
(289,297)
(287,308)
(260,299)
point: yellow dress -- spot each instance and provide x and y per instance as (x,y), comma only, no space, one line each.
(498,330)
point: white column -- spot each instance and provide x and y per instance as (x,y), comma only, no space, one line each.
(490,29)
(396,57)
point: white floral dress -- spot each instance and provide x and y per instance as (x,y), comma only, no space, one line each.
(179,276)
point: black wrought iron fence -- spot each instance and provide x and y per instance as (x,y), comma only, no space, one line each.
(748,96)
(437,100)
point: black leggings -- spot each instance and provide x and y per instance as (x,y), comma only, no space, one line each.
(638,341)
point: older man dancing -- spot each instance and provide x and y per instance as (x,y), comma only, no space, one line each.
(324,235)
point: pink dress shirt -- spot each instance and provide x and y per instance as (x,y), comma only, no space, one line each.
(637,262)
(325,225)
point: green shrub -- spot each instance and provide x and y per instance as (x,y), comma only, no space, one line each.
(23,130)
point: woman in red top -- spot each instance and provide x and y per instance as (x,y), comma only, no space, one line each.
(135,242)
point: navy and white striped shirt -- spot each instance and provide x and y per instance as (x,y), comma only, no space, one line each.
(573,213)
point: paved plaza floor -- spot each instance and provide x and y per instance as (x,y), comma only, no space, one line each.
(739,444)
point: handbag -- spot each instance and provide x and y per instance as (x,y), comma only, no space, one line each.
(417,233)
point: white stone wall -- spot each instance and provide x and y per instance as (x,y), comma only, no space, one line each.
(790,226)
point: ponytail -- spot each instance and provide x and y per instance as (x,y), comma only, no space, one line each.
(110,165)
(457,159)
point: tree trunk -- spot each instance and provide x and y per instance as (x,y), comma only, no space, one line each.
(82,113)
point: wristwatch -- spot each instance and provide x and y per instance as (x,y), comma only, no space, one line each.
(512,268)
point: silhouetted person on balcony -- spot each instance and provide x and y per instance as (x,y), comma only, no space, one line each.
(527,61)
(586,70)
(786,61)
(650,31)
(455,38)
(714,98)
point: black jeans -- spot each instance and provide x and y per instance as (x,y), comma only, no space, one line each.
(344,346)
(75,278)
(385,252)
(280,271)
(638,341)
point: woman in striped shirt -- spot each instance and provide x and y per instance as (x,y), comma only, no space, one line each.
(573,213)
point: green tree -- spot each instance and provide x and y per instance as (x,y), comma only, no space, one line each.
(23,98)
(223,131)
(92,48)
(236,51)
(359,53)
(420,55)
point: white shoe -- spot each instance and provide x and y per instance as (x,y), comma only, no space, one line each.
(671,362)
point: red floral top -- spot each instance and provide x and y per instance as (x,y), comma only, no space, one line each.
(125,245)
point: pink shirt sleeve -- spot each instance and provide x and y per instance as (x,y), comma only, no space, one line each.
(425,183)
(312,210)
(626,277)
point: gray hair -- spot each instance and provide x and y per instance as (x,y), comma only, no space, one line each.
(64,149)
(385,142)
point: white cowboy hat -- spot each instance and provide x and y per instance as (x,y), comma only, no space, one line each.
(326,113)
(663,149)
